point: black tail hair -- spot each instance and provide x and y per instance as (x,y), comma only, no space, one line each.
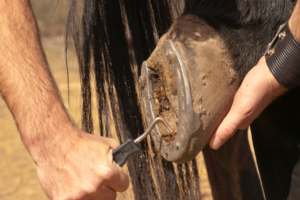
(112,39)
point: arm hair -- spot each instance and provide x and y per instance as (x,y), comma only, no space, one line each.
(26,83)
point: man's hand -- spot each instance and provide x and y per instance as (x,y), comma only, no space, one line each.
(80,166)
(257,91)
(70,164)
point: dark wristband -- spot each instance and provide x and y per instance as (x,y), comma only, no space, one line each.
(283,58)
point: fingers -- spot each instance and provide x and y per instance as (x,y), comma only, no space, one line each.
(235,119)
(103,193)
(110,178)
(109,172)
(114,176)
(258,89)
(107,194)
(118,180)
(226,129)
(242,113)
(86,167)
(111,142)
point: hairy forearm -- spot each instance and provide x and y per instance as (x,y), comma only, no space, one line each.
(25,81)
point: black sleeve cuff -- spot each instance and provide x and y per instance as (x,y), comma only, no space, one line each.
(284,59)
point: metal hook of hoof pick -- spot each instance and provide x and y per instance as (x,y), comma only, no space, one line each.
(121,154)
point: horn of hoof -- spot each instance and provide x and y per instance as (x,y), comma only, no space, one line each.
(189,81)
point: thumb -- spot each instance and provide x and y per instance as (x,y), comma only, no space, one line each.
(111,142)
(258,89)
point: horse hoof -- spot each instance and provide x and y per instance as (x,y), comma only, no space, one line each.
(189,81)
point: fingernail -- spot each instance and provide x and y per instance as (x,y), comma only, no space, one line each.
(216,143)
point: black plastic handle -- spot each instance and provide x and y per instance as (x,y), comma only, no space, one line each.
(122,153)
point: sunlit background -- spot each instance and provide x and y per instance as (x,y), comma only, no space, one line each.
(18,179)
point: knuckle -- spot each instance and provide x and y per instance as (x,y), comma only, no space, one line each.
(90,188)
(124,184)
(111,195)
(229,131)
(117,143)
(245,109)
(114,143)
(108,174)
(248,112)
(73,195)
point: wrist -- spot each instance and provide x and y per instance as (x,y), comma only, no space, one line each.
(269,85)
(294,22)
(294,29)
(46,133)
(283,58)
(47,149)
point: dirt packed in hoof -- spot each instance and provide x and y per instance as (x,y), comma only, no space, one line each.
(162,106)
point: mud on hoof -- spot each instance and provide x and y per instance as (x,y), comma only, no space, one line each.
(190,82)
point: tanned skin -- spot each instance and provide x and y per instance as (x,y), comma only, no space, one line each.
(70,164)
(258,89)
(294,22)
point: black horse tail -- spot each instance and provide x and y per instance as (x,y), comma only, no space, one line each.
(112,39)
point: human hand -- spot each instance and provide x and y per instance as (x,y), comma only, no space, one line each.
(258,89)
(80,167)
(70,164)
